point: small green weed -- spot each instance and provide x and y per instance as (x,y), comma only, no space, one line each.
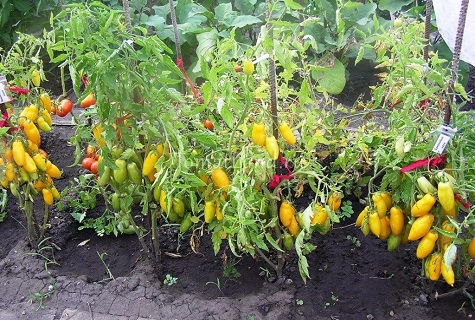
(170,280)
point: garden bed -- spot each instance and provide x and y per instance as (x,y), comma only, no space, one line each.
(352,276)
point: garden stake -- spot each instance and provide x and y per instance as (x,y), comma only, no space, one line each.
(456,58)
(179,57)
(427,29)
(273,103)
(127,16)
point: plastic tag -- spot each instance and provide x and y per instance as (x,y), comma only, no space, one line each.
(3,92)
(446,134)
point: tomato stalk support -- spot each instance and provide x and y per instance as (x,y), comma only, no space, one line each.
(456,58)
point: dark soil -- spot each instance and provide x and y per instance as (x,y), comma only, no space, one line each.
(352,276)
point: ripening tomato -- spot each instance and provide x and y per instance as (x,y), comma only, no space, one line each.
(209,125)
(88,101)
(220,179)
(95,167)
(36,78)
(64,107)
(87,162)
(91,152)
(471,248)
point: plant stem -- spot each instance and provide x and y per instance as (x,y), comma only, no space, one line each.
(266,259)
(45,221)
(155,244)
(462,289)
(63,84)
(28,210)
(136,229)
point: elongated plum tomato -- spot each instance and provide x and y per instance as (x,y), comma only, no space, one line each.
(64,107)
(88,101)
(248,67)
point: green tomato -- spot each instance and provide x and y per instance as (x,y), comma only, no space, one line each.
(398,23)
(120,175)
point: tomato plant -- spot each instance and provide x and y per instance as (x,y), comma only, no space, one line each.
(235,175)
(424,181)
(26,170)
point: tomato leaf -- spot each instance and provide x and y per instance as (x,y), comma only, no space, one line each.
(302,262)
(293,5)
(450,254)
(273,243)
(227,116)
(216,239)
(205,138)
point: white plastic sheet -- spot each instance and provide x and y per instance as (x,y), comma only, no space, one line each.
(447,14)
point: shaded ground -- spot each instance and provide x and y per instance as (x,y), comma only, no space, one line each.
(352,276)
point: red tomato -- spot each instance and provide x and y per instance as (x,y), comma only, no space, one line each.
(94,166)
(64,107)
(209,125)
(87,163)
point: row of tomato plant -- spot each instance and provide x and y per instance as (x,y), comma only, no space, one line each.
(221,162)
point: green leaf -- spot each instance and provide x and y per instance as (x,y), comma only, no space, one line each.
(358,12)
(3,130)
(206,43)
(192,180)
(155,21)
(245,6)
(216,239)
(259,241)
(293,5)
(22,5)
(273,242)
(333,216)
(333,80)
(78,216)
(224,14)
(242,21)
(227,116)
(393,5)
(204,138)
(302,262)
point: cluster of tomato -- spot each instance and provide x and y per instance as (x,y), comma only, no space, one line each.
(260,138)
(25,163)
(417,223)
(319,218)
